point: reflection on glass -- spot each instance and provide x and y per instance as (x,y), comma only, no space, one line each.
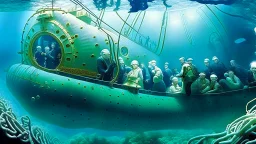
(47,52)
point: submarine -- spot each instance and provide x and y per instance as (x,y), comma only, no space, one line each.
(70,94)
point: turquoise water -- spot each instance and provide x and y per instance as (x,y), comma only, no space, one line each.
(191,32)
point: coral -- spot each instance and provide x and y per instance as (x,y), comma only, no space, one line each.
(242,131)
(21,132)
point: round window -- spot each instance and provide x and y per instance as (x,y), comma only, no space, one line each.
(124,51)
(46,52)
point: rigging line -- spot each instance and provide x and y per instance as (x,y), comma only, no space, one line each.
(162,29)
(166,24)
(117,51)
(217,19)
(189,37)
(141,23)
(217,30)
(134,22)
(232,15)
(128,24)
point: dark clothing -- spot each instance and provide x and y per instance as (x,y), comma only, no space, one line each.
(219,69)
(208,71)
(159,87)
(167,73)
(40,59)
(150,80)
(241,73)
(105,69)
(122,75)
(49,60)
(146,79)
(251,80)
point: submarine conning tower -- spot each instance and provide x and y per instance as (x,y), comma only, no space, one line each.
(79,41)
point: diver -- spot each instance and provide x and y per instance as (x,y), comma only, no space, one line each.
(252,75)
(232,82)
(104,66)
(175,88)
(218,68)
(167,73)
(135,77)
(188,77)
(201,83)
(239,71)
(208,69)
(123,71)
(214,86)
(39,56)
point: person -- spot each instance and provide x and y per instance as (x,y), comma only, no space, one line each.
(174,88)
(232,82)
(104,66)
(39,56)
(214,86)
(146,78)
(157,78)
(55,53)
(151,75)
(218,68)
(201,83)
(195,71)
(135,77)
(123,71)
(188,77)
(167,73)
(252,75)
(182,60)
(208,69)
(239,71)
(49,58)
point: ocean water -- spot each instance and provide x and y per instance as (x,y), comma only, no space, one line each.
(192,30)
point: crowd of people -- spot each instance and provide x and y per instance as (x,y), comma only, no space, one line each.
(48,57)
(216,77)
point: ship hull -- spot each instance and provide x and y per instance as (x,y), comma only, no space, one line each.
(75,103)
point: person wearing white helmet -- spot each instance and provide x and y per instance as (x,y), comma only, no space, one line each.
(167,73)
(252,75)
(182,60)
(218,68)
(158,83)
(214,86)
(232,82)
(39,56)
(239,71)
(201,83)
(208,68)
(190,61)
(135,77)
(174,88)
(104,66)
(188,77)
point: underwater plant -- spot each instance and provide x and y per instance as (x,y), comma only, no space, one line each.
(240,131)
(23,132)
